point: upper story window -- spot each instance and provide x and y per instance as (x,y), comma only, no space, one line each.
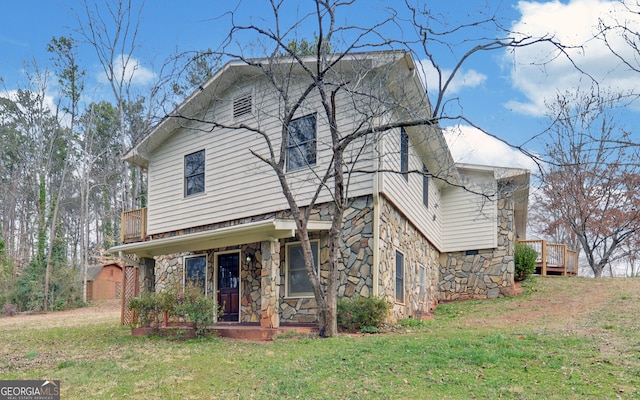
(404,154)
(425,186)
(301,146)
(194,173)
(242,105)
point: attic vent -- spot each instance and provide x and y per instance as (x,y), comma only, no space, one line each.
(242,105)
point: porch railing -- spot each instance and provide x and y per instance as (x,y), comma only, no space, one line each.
(134,225)
(553,258)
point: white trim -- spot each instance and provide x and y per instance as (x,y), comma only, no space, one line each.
(286,269)
(184,175)
(184,269)
(215,281)
(315,139)
(251,232)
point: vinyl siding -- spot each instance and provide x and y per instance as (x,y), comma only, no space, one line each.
(469,219)
(237,184)
(406,194)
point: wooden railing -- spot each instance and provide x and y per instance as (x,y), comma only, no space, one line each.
(553,258)
(134,225)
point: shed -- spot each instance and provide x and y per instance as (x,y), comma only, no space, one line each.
(104,282)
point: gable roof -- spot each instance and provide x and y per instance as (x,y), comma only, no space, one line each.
(94,270)
(428,141)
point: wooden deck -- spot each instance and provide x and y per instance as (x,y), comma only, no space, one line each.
(553,258)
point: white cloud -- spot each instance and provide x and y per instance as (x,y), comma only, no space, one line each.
(472,146)
(48,102)
(130,70)
(463,79)
(541,71)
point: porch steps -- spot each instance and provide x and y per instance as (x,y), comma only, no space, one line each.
(257,333)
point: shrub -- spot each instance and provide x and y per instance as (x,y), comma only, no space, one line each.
(197,306)
(188,304)
(362,313)
(525,261)
(9,310)
(147,308)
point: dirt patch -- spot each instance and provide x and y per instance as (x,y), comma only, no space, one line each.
(105,311)
(570,303)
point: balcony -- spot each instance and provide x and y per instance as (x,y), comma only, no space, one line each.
(554,259)
(134,226)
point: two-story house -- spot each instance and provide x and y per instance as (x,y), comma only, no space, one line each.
(418,228)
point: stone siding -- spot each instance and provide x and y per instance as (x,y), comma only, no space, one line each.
(355,270)
(169,271)
(490,272)
(428,275)
(397,233)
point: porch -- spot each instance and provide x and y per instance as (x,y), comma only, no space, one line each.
(255,332)
(553,258)
(239,260)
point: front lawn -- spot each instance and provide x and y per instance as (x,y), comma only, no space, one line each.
(521,347)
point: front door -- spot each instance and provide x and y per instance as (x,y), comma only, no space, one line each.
(229,286)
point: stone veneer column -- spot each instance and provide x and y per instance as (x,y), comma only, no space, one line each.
(270,284)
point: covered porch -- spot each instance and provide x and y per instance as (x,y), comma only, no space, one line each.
(553,258)
(254,247)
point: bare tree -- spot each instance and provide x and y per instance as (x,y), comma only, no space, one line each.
(376,110)
(111,28)
(592,176)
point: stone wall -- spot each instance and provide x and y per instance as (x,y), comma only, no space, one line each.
(168,271)
(250,281)
(429,276)
(355,270)
(397,233)
(490,272)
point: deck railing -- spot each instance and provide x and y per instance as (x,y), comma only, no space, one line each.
(553,258)
(134,225)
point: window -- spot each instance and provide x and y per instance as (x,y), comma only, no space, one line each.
(399,277)
(423,282)
(301,147)
(195,270)
(194,173)
(242,105)
(404,154)
(425,186)
(297,280)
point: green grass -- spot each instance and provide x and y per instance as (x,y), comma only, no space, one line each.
(476,349)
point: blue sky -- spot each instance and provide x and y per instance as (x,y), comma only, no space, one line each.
(502,92)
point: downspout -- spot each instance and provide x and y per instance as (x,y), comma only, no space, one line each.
(377,183)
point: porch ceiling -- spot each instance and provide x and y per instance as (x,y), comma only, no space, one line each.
(223,237)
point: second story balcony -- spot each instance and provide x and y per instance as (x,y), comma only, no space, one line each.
(134,226)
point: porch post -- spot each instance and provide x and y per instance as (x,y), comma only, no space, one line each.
(270,284)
